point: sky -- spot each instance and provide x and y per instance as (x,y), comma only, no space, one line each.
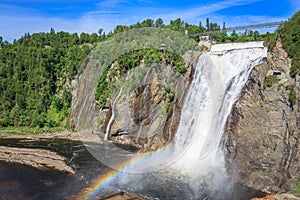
(18,17)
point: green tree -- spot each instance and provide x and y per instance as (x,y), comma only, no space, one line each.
(177,25)
(207,24)
(291,41)
(100,31)
(233,36)
(148,23)
(159,22)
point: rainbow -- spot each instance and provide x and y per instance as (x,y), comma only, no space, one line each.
(111,174)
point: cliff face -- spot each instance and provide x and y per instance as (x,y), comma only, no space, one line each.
(148,116)
(263,130)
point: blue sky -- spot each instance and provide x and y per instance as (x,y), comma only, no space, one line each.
(20,16)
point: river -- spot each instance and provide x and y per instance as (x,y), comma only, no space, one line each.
(24,182)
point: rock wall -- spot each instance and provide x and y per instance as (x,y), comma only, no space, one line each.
(263,130)
(144,118)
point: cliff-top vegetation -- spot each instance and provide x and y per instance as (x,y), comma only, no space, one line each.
(37,69)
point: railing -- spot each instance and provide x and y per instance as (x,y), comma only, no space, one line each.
(235,28)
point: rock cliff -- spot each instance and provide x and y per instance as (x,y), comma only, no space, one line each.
(148,116)
(263,130)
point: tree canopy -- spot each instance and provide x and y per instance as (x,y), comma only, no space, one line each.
(36,71)
(291,41)
(35,77)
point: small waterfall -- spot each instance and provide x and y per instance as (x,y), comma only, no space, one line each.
(112,118)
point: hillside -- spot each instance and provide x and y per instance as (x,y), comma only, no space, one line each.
(36,71)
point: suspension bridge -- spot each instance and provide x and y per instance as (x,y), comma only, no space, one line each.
(238,28)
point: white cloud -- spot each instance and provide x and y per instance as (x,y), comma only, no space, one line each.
(13,27)
(110,3)
(192,13)
(110,13)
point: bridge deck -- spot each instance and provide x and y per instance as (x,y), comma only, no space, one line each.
(235,28)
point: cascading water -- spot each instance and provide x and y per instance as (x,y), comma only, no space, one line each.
(196,157)
(112,118)
(219,78)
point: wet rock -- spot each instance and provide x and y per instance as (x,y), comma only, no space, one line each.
(285,197)
(262,134)
(38,158)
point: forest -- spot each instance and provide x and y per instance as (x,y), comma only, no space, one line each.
(291,41)
(36,70)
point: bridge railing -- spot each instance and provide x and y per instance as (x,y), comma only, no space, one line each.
(235,28)
(255,26)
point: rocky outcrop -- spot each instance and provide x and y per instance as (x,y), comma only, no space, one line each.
(124,195)
(278,197)
(148,116)
(38,158)
(263,130)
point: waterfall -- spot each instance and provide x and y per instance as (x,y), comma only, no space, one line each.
(193,166)
(112,118)
(218,80)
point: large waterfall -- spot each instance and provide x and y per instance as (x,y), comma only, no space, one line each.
(193,167)
(219,78)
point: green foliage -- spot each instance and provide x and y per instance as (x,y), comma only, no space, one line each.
(297,190)
(26,130)
(168,94)
(132,60)
(292,95)
(159,23)
(295,68)
(247,36)
(270,40)
(291,41)
(166,108)
(35,72)
(270,80)
(177,25)
(265,145)
(102,91)
(101,121)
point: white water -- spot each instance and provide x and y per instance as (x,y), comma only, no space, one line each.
(112,118)
(219,78)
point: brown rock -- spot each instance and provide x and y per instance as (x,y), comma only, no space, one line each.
(262,132)
(265,198)
(39,158)
(147,114)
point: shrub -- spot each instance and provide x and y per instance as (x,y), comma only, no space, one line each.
(291,41)
(297,190)
(269,80)
(292,96)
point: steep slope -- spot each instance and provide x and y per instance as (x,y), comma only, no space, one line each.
(262,132)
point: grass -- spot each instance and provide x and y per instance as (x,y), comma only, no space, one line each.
(270,80)
(265,145)
(26,130)
(265,174)
(297,190)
